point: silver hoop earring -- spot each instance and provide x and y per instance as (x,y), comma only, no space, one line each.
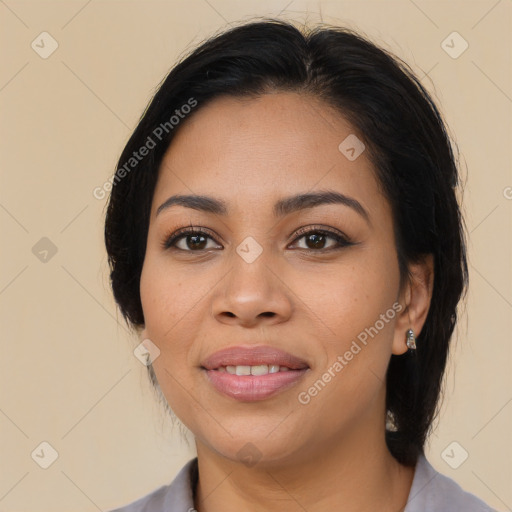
(410,339)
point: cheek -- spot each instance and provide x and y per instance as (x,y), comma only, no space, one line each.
(348,383)
(167,295)
(350,296)
(168,303)
(358,304)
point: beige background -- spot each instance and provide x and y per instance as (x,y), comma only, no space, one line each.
(68,374)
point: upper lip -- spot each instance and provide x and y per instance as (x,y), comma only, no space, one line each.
(253,356)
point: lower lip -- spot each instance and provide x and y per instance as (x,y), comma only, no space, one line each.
(249,388)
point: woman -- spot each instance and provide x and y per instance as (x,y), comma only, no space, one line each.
(284,235)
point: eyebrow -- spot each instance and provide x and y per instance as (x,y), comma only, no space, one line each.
(281,208)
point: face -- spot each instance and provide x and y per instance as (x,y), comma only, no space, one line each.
(302,302)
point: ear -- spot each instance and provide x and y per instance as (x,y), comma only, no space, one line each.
(415,299)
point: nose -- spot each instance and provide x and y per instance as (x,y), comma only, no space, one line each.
(252,293)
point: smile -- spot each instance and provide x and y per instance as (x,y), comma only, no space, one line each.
(250,373)
(260,369)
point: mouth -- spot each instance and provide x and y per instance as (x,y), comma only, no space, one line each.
(251,373)
(258,369)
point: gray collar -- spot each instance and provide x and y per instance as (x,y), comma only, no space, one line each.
(431,491)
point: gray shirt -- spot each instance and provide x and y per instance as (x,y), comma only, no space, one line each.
(431,491)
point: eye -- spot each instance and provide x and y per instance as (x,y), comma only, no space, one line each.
(191,240)
(316,239)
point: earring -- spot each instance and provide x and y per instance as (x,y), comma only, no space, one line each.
(410,339)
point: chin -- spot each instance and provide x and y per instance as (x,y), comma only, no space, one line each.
(250,450)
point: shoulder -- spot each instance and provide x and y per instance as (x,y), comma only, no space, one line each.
(178,495)
(432,491)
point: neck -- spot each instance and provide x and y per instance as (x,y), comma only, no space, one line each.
(354,472)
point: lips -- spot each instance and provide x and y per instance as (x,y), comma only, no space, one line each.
(253,356)
(253,373)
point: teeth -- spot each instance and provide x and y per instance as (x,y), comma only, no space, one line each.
(260,369)
(243,370)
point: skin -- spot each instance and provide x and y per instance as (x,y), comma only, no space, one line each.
(307,300)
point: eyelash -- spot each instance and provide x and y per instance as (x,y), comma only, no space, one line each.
(342,240)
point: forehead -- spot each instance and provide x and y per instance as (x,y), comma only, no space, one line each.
(250,149)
